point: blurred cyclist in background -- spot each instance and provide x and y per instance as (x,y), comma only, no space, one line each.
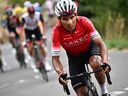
(33,24)
(13,26)
(83,45)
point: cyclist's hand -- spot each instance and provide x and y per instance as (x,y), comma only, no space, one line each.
(24,43)
(62,79)
(44,39)
(106,67)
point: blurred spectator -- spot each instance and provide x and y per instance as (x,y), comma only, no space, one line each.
(38,7)
(26,5)
(49,7)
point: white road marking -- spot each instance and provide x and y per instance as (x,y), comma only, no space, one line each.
(37,76)
(116,93)
(21,81)
(126,89)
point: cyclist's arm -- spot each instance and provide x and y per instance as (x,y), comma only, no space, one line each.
(103,49)
(22,21)
(23,30)
(56,51)
(57,65)
(96,38)
(41,25)
(18,25)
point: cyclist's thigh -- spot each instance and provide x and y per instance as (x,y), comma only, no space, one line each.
(13,30)
(76,66)
(82,91)
(28,34)
(37,33)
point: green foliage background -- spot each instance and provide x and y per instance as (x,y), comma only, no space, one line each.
(110,17)
(20,2)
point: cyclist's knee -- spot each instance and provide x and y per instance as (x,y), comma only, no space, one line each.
(81,91)
(95,62)
(43,51)
(30,50)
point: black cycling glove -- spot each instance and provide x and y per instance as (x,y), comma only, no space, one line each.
(106,67)
(62,79)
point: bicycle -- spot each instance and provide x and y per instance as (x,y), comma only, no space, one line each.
(1,62)
(87,81)
(20,54)
(39,59)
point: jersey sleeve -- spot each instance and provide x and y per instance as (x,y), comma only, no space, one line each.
(89,27)
(55,49)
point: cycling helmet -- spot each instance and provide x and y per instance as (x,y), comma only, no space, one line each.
(31,10)
(18,11)
(65,8)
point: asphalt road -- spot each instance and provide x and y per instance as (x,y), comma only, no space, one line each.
(28,82)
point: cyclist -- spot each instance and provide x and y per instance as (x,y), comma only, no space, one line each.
(13,24)
(33,24)
(82,43)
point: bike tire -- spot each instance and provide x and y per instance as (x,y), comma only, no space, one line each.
(44,73)
(20,55)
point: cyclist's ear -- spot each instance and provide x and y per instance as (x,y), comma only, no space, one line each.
(59,17)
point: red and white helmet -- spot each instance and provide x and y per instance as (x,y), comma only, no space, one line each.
(31,10)
(65,8)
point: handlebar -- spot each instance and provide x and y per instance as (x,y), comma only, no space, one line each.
(81,74)
(109,78)
(66,89)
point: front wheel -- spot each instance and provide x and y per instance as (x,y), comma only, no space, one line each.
(44,73)
(21,57)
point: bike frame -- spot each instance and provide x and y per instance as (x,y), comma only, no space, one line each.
(39,59)
(37,55)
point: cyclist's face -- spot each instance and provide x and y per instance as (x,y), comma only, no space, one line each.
(69,22)
(31,15)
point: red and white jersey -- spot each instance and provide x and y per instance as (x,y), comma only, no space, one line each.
(31,23)
(77,42)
